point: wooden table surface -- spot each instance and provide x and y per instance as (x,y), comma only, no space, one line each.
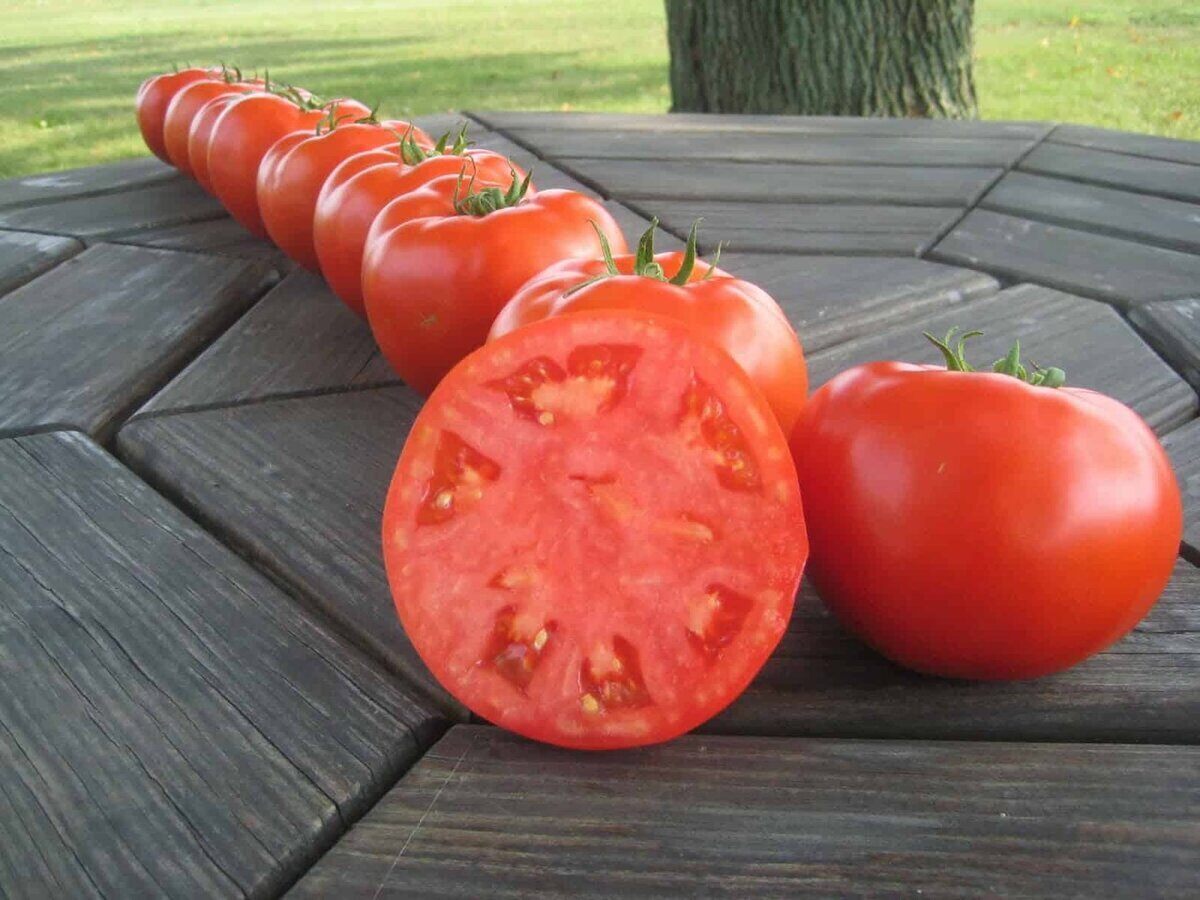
(204,690)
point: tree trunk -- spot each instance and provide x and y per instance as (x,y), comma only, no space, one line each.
(822,57)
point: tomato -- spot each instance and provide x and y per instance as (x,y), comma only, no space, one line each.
(182,110)
(200,135)
(594,535)
(739,317)
(439,264)
(295,168)
(362,186)
(244,132)
(153,98)
(974,525)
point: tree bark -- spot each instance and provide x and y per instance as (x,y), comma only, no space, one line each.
(822,57)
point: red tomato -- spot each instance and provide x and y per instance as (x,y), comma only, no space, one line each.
(972,525)
(294,169)
(182,110)
(737,316)
(200,134)
(437,269)
(362,186)
(244,132)
(594,534)
(153,98)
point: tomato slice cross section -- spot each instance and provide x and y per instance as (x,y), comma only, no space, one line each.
(594,533)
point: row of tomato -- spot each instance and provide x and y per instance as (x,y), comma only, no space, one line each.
(599,521)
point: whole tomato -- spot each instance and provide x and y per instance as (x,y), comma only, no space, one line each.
(297,165)
(153,98)
(184,106)
(740,318)
(200,134)
(986,525)
(442,260)
(243,133)
(364,184)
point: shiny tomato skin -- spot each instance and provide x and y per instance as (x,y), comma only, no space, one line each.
(739,317)
(243,133)
(153,98)
(569,552)
(200,133)
(970,525)
(359,188)
(433,281)
(177,122)
(292,173)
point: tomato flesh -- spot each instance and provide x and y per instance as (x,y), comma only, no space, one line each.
(594,534)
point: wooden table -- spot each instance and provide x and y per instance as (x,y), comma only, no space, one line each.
(204,690)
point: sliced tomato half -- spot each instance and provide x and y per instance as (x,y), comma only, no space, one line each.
(594,533)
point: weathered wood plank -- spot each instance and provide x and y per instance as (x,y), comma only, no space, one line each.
(171,724)
(299,339)
(1148,220)
(298,486)
(809,228)
(90,340)
(1112,269)
(692,122)
(1132,173)
(25,255)
(177,202)
(54,186)
(766,182)
(778,147)
(831,299)
(545,174)
(487,814)
(1127,142)
(1089,340)
(222,237)
(1173,329)
(634,225)
(1183,446)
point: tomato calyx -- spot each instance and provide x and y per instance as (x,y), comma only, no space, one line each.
(490,199)
(1051,377)
(413,153)
(644,263)
(332,120)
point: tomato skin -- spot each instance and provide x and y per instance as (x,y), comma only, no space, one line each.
(200,133)
(970,525)
(182,110)
(433,281)
(295,168)
(153,98)
(358,190)
(739,317)
(243,133)
(570,565)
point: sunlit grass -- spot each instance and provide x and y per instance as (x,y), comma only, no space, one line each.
(68,69)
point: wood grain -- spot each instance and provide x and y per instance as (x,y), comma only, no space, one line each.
(1118,271)
(1089,340)
(171,724)
(1183,446)
(55,186)
(1172,327)
(298,487)
(24,256)
(488,814)
(90,340)
(222,237)
(1169,149)
(1135,173)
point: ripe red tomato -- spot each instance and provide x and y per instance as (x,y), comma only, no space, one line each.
(244,132)
(594,534)
(200,134)
(182,110)
(439,263)
(295,168)
(740,318)
(363,185)
(153,98)
(973,525)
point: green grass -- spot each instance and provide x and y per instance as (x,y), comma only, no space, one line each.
(69,68)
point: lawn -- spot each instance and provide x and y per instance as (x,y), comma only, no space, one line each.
(69,68)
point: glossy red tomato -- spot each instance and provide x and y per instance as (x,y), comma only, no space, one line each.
(363,185)
(200,134)
(438,265)
(153,98)
(973,525)
(182,110)
(739,317)
(295,168)
(244,132)
(594,535)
